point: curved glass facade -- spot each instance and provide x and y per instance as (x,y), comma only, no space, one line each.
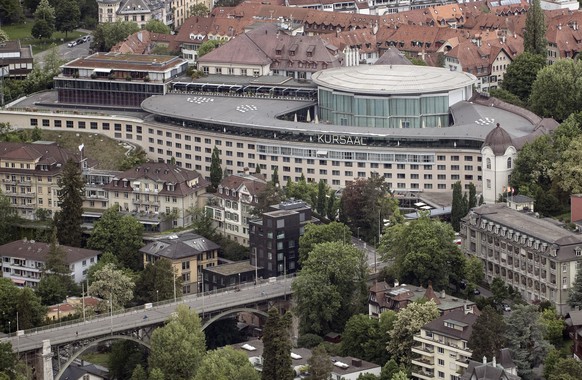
(383,112)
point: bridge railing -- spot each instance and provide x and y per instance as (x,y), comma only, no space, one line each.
(181,299)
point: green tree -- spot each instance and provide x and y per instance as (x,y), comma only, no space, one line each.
(124,359)
(472,196)
(3,36)
(389,369)
(207,47)
(330,287)
(215,171)
(139,373)
(363,338)
(488,335)
(321,198)
(422,250)
(320,365)
(11,12)
(322,233)
(275,178)
(202,223)
(331,208)
(567,174)
(575,296)
(534,36)
(224,364)
(157,26)
(566,369)
(521,74)
(134,158)
(44,20)
(474,273)
(306,191)
(408,323)
(553,326)
(105,259)
(277,347)
(525,339)
(271,195)
(157,282)
(557,92)
(499,290)
(8,219)
(119,234)
(156,374)
(178,347)
(113,286)
(200,10)
(400,375)
(67,16)
(71,191)
(108,34)
(458,210)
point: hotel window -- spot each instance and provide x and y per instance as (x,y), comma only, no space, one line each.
(488,163)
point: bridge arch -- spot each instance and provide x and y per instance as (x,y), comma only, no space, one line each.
(232,312)
(95,343)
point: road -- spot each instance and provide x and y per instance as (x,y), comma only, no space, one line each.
(65,52)
(374,259)
(106,324)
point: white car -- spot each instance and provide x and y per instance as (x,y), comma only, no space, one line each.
(72,44)
(506,307)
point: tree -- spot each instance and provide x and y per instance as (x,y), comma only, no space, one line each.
(207,47)
(277,347)
(408,323)
(271,195)
(3,36)
(363,338)
(566,369)
(553,326)
(71,191)
(321,198)
(330,287)
(331,207)
(521,74)
(119,234)
(320,365)
(226,363)
(525,339)
(473,270)
(139,373)
(113,286)
(499,290)
(400,375)
(322,233)
(275,178)
(557,92)
(422,251)
(575,296)
(567,171)
(215,171)
(8,219)
(178,347)
(390,369)
(22,302)
(125,358)
(108,34)
(199,10)
(44,20)
(67,16)
(157,26)
(458,209)
(11,12)
(472,196)
(534,36)
(488,335)
(157,282)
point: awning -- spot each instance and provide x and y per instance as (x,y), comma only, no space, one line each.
(322,153)
(100,70)
(18,281)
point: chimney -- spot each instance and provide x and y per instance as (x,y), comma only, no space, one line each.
(484,359)
(443,294)
(356,362)
(494,361)
(396,283)
(140,36)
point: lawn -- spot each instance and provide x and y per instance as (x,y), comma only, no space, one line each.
(22,32)
(107,152)
(98,358)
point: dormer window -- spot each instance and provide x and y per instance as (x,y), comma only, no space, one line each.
(578,251)
(293,50)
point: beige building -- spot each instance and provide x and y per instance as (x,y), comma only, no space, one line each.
(231,206)
(189,253)
(537,256)
(441,348)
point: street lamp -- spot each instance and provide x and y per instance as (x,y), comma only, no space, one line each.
(157,295)
(239,279)
(9,329)
(358,233)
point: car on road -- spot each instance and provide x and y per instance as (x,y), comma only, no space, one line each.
(86,38)
(506,307)
(476,292)
(72,44)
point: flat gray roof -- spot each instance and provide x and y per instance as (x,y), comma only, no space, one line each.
(392,79)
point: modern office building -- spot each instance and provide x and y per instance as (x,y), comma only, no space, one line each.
(274,238)
(230,275)
(537,256)
(441,349)
(23,261)
(231,206)
(114,79)
(189,254)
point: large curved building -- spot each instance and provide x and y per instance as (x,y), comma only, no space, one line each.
(391,96)
(287,132)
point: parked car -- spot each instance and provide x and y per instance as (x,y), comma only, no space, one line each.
(86,38)
(506,307)
(72,44)
(476,292)
(80,41)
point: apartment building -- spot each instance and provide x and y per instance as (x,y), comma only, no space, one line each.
(537,256)
(23,261)
(232,204)
(30,174)
(15,60)
(274,238)
(189,254)
(441,349)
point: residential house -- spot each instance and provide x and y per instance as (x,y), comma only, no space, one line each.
(441,349)
(23,261)
(158,194)
(573,321)
(345,368)
(30,172)
(501,367)
(230,275)
(72,306)
(346,6)
(85,372)
(144,42)
(138,11)
(537,256)
(15,60)
(274,238)
(383,297)
(119,80)
(189,254)
(232,205)
(269,51)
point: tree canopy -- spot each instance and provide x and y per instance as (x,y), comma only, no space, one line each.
(277,347)
(366,338)
(112,285)
(320,365)
(575,296)
(225,364)
(215,170)
(488,335)
(8,219)
(521,74)
(108,34)
(67,15)
(11,12)
(157,26)
(321,233)
(534,36)
(330,287)
(44,20)
(207,47)
(156,282)
(71,191)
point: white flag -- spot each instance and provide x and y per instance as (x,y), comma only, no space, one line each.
(81,147)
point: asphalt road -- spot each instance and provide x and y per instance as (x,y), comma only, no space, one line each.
(65,52)
(105,324)
(374,259)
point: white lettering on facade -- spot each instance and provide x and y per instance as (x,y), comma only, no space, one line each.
(341,140)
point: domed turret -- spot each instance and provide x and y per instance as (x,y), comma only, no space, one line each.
(498,140)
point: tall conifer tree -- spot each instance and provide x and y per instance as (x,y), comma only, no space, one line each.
(534,36)
(71,190)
